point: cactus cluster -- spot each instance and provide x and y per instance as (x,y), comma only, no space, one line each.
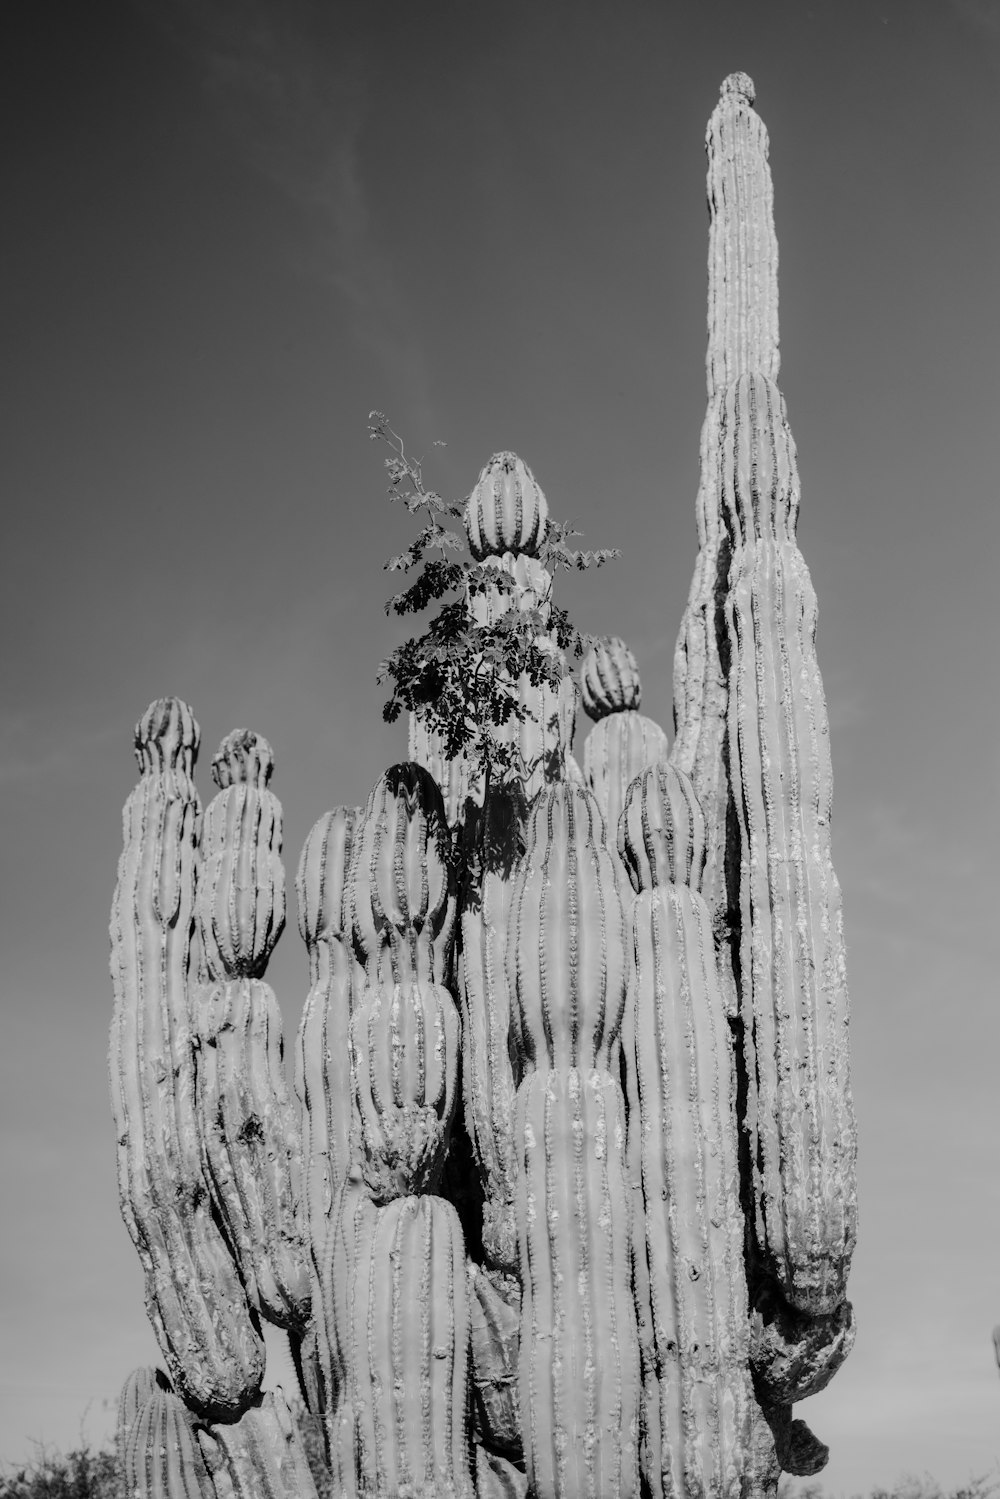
(560,1201)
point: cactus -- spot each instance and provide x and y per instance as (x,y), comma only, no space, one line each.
(622,742)
(562,1202)
(791,965)
(248,1126)
(688,1153)
(579,1365)
(206,1329)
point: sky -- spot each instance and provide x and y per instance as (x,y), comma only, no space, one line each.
(234,227)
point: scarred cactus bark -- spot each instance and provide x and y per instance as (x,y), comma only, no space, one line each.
(794,1001)
(686,1122)
(623,741)
(249,1126)
(195,1299)
(579,1363)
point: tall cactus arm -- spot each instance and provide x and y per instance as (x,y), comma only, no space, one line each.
(742,335)
(395,1307)
(323,1056)
(792,971)
(249,1124)
(194,1297)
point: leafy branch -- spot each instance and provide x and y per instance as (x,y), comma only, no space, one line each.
(462,676)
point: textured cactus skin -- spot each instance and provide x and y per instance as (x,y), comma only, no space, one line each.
(323,1055)
(161,1457)
(794,998)
(742,335)
(397,1323)
(579,1376)
(194,1297)
(249,1126)
(688,1153)
(609,679)
(507,511)
(262,1453)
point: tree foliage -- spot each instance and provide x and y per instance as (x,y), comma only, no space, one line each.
(461,676)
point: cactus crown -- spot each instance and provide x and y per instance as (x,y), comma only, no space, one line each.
(661,834)
(402,868)
(739,84)
(167,737)
(609,679)
(506,511)
(320,883)
(243,756)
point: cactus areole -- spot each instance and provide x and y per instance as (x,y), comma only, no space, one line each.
(558,1198)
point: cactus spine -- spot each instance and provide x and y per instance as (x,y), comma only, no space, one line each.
(579,1366)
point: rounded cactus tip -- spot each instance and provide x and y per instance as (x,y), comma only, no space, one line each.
(167,735)
(740,84)
(243,756)
(506,511)
(609,679)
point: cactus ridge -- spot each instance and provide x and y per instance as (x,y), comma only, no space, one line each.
(194,1298)
(323,1055)
(241,885)
(791,955)
(405,1045)
(565,936)
(262,1453)
(609,679)
(692,1217)
(661,834)
(506,511)
(617,749)
(401,885)
(251,1143)
(162,1458)
(396,1302)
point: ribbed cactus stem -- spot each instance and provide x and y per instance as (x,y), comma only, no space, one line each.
(623,742)
(263,1454)
(323,1055)
(794,1000)
(249,1123)
(394,1304)
(161,1457)
(742,336)
(194,1297)
(579,1355)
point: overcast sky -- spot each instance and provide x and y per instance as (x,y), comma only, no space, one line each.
(231,228)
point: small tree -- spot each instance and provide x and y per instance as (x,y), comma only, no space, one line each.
(461,676)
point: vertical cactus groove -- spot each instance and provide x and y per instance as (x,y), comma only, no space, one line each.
(489,1081)
(323,1056)
(791,954)
(579,1355)
(161,1457)
(391,1287)
(622,742)
(742,335)
(654,1160)
(692,1219)
(194,1296)
(249,1123)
